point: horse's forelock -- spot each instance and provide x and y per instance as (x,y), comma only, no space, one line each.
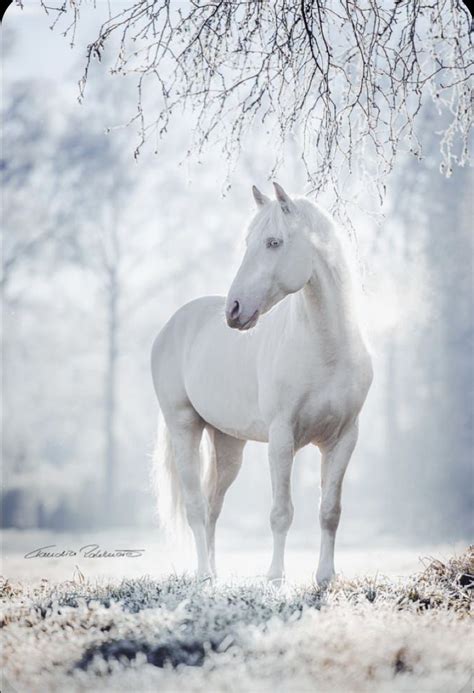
(269,221)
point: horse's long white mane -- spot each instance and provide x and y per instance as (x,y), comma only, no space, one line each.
(339,252)
(328,237)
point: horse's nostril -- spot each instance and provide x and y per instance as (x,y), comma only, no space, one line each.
(234,313)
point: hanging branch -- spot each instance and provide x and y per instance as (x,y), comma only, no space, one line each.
(348,77)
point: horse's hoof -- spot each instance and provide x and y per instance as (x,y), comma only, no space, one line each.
(205,579)
(324,580)
(275,580)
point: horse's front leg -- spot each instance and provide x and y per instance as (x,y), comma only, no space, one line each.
(281,453)
(333,466)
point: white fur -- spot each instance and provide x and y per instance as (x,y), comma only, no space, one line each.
(300,376)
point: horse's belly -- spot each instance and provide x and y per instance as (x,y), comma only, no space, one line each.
(245,429)
(217,403)
(221,383)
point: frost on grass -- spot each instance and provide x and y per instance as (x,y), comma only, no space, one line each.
(178,634)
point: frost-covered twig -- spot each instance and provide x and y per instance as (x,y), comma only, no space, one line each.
(346,76)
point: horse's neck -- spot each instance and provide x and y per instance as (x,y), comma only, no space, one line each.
(328,303)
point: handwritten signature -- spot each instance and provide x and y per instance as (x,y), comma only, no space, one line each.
(87,551)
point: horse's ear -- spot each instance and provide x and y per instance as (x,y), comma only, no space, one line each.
(259,197)
(285,201)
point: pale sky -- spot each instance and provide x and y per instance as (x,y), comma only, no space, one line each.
(43,53)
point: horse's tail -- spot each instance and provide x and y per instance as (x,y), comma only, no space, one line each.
(167,487)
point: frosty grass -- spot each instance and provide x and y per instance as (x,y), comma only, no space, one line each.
(180,635)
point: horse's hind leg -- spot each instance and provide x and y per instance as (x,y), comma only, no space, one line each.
(229,452)
(186,431)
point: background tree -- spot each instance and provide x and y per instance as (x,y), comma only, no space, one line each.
(426,353)
(29,129)
(89,273)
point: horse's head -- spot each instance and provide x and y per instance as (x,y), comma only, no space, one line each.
(277,261)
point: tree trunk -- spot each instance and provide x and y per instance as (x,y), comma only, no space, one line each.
(392,436)
(111,397)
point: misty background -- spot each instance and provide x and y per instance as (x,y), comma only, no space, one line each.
(100,249)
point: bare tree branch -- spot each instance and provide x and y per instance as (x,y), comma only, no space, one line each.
(346,76)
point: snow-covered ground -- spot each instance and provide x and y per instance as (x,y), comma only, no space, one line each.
(237,556)
(100,624)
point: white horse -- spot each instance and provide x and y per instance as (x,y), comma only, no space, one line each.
(301,377)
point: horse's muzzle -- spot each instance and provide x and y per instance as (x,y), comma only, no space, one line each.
(232,314)
(235,319)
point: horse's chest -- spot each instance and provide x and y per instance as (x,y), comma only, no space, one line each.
(322,412)
(318,397)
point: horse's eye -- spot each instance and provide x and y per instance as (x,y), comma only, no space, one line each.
(273,242)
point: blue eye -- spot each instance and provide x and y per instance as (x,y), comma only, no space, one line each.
(273,242)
